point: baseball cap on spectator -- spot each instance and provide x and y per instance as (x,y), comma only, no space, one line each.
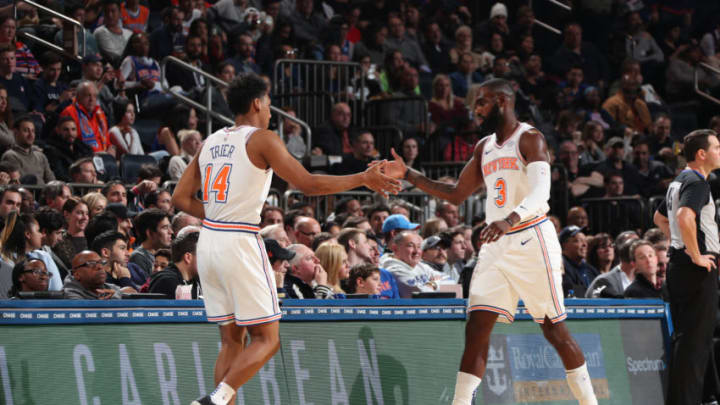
(568,232)
(430,242)
(92,58)
(120,210)
(615,142)
(276,252)
(498,9)
(398,221)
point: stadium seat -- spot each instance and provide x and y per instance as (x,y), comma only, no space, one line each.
(110,167)
(130,166)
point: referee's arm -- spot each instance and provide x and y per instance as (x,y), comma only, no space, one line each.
(686,223)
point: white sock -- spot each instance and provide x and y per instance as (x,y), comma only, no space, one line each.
(581,386)
(222,394)
(465,386)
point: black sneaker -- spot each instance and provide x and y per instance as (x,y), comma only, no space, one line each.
(203,401)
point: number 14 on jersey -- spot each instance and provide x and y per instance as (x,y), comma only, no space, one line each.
(220,184)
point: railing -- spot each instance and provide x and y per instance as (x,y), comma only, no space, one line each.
(616,214)
(207,109)
(546,25)
(409,114)
(50,44)
(341,81)
(696,81)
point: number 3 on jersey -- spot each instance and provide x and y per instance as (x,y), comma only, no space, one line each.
(501,188)
(220,184)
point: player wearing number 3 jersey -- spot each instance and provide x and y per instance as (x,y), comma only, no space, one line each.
(233,171)
(521,256)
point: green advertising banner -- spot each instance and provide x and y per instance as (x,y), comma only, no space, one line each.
(323,363)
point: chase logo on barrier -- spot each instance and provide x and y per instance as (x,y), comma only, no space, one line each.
(526,368)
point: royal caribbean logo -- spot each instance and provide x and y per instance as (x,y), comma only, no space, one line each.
(526,369)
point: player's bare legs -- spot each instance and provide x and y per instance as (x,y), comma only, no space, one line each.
(232,341)
(264,343)
(477,342)
(573,359)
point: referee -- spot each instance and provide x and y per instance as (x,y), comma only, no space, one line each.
(688,213)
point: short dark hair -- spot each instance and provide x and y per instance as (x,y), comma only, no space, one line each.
(164,253)
(49,58)
(7,166)
(640,139)
(23,118)
(243,90)
(634,245)
(353,221)
(348,234)
(696,140)
(269,208)
(148,171)
(110,184)
(75,167)
(49,219)
(63,120)
(72,203)
(100,223)
(320,238)
(185,243)
(151,199)
(53,189)
(148,220)
(106,240)
(624,251)
(360,271)
(12,188)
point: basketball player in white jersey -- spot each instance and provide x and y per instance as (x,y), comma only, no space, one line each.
(521,255)
(233,171)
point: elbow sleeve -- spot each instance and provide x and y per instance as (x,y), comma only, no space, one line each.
(539,180)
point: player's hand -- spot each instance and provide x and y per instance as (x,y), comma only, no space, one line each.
(707,261)
(494,231)
(376,181)
(394,168)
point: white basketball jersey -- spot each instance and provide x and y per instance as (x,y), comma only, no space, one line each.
(505,173)
(233,189)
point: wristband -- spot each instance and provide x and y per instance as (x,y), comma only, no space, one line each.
(509,222)
(407,173)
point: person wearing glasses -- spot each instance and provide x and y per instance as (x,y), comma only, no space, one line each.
(88,279)
(29,275)
(306,229)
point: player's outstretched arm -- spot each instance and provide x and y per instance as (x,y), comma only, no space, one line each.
(273,152)
(470,179)
(183,197)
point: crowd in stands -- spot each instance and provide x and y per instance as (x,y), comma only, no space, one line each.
(613,94)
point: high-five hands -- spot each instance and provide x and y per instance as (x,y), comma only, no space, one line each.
(380,182)
(394,168)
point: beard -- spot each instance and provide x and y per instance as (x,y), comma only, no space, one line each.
(491,122)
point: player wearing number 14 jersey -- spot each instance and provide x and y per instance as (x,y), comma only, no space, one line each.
(233,171)
(520,257)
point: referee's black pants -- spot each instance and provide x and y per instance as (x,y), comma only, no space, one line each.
(693,306)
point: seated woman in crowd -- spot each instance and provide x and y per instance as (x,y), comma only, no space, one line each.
(7,138)
(334,260)
(73,240)
(142,75)
(96,203)
(601,252)
(125,138)
(180,117)
(29,275)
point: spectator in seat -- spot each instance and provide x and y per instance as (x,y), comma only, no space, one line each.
(89,279)
(446,110)
(188,80)
(392,226)
(434,253)
(10,200)
(641,46)
(577,216)
(627,106)
(448,212)
(574,51)
(182,273)
(405,264)
(48,90)
(55,194)
(160,199)
(365,279)
(243,61)
(305,230)
(26,63)
(29,275)
(307,278)
(579,274)
(190,142)
(20,97)
(96,203)
(410,48)
(90,120)
(153,232)
(436,50)
(376,215)
(464,44)
(142,77)
(83,171)
(134,15)
(279,257)
(113,249)
(307,24)
(333,137)
(111,37)
(6,121)
(661,136)
(73,240)
(679,76)
(162,260)
(64,147)
(456,247)
(271,215)
(601,252)
(613,283)
(29,158)
(334,260)
(363,151)
(655,176)
(50,224)
(76,10)
(105,78)
(646,284)
(183,219)
(169,38)
(615,162)
(277,233)
(465,76)
(123,136)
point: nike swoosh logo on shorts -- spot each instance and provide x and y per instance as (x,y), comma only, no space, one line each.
(525,241)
